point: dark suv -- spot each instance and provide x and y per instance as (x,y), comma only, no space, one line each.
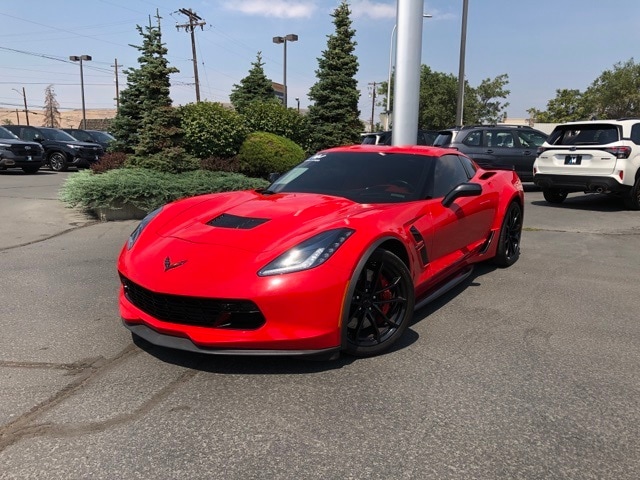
(505,146)
(16,153)
(61,150)
(103,139)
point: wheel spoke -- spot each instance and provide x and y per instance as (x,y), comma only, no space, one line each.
(394,283)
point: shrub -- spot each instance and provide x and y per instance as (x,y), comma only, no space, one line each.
(171,160)
(219,164)
(264,153)
(275,118)
(109,161)
(211,130)
(147,189)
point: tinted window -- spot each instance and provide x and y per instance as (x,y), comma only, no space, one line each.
(449,173)
(529,139)
(500,138)
(364,177)
(81,135)
(4,133)
(635,133)
(443,139)
(474,139)
(54,134)
(469,166)
(586,134)
(30,134)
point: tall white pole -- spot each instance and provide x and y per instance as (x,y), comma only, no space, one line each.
(408,60)
(391,50)
(463,43)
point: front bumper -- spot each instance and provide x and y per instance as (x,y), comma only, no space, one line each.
(580,183)
(14,161)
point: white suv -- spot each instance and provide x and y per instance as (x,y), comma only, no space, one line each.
(597,156)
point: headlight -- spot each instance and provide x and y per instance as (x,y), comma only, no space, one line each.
(145,221)
(4,145)
(308,254)
(75,147)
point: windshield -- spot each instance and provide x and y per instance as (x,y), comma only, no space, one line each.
(53,134)
(6,134)
(364,177)
(102,136)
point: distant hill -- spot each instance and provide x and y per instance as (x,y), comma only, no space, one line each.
(68,118)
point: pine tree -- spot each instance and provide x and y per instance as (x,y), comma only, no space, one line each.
(334,117)
(255,87)
(146,122)
(51,105)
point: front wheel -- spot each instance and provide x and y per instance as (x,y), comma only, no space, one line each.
(381,306)
(58,162)
(552,195)
(508,250)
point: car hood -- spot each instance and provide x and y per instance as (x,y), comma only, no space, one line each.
(15,141)
(259,223)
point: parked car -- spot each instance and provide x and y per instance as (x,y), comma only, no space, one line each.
(334,256)
(596,156)
(16,153)
(425,137)
(504,146)
(61,150)
(104,139)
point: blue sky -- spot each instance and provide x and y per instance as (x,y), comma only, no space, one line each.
(542,45)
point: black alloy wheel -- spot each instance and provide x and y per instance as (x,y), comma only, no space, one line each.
(381,306)
(508,250)
(553,195)
(632,199)
(58,162)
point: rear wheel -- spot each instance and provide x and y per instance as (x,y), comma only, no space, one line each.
(553,195)
(632,199)
(381,306)
(508,250)
(58,162)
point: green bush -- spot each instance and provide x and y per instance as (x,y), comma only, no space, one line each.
(275,118)
(147,189)
(219,164)
(264,153)
(211,130)
(171,160)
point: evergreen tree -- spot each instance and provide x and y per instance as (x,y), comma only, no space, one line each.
(51,105)
(255,87)
(146,123)
(334,117)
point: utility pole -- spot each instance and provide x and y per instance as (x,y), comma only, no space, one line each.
(373,101)
(463,43)
(17,116)
(194,21)
(117,88)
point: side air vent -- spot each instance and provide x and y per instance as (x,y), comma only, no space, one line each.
(420,246)
(233,221)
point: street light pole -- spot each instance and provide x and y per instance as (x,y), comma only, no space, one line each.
(298,102)
(80,58)
(292,37)
(391,51)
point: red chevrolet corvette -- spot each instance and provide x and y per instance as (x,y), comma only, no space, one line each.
(334,256)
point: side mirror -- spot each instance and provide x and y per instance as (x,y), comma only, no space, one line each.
(462,190)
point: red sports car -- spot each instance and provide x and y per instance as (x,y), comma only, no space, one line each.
(334,256)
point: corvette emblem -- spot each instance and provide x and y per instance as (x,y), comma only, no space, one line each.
(168,265)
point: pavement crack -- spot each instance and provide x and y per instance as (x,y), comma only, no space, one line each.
(44,239)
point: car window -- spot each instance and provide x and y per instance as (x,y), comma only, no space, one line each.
(469,166)
(443,139)
(4,133)
(474,139)
(587,134)
(30,134)
(530,139)
(449,173)
(499,138)
(80,135)
(635,133)
(59,135)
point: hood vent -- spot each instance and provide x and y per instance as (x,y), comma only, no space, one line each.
(233,221)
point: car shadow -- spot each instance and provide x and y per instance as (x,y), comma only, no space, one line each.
(591,202)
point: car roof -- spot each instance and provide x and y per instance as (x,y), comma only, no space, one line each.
(409,149)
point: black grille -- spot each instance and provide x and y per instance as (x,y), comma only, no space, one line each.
(208,312)
(21,150)
(91,152)
(233,221)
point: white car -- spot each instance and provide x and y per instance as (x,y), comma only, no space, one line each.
(596,156)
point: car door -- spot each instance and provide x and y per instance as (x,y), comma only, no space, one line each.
(453,231)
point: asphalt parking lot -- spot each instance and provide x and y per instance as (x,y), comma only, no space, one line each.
(530,372)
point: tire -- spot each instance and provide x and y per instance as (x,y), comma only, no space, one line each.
(508,250)
(554,196)
(58,162)
(632,199)
(30,170)
(381,306)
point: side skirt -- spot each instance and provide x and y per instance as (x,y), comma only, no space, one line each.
(445,287)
